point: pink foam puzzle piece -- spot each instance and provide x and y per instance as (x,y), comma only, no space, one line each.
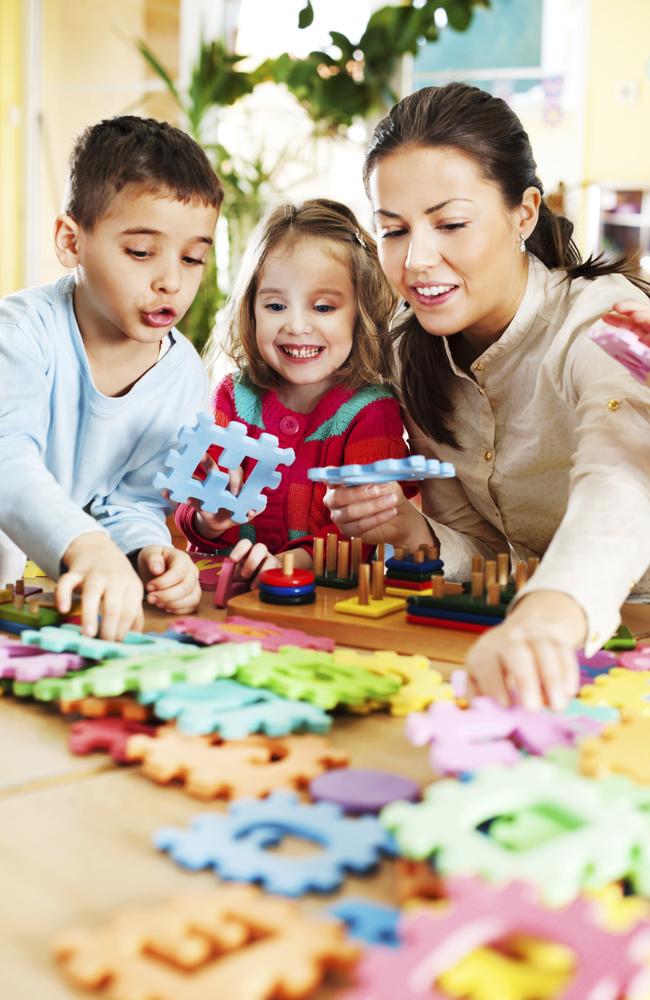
(12,648)
(29,669)
(485,733)
(625,347)
(636,659)
(239,629)
(227,586)
(608,966)
(108,734)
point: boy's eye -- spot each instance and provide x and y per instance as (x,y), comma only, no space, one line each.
(322,307)
(138,254)
(194,261)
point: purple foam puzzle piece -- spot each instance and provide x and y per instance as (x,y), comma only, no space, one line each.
(359,790)
(30,669)
(636,659)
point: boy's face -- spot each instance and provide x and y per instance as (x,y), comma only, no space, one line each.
(140,266)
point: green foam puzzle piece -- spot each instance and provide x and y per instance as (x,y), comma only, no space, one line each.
(148,673)
(308,675)
(603,828)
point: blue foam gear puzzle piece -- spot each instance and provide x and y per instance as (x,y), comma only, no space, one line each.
(415,467)
(234,710)
(372,923)
(234,844)
(214,492)
(69,639)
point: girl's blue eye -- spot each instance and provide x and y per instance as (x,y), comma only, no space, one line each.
(275,306)
(323,308)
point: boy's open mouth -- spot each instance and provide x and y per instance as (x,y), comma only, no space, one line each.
(160,317)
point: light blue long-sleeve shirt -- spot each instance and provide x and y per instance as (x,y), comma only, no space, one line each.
(71,459)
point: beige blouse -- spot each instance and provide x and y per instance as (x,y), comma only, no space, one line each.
(555,458)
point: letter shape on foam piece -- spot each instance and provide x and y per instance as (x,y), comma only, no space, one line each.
(608,966)
(214,492)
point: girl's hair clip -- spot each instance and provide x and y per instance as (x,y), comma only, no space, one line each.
(360,239)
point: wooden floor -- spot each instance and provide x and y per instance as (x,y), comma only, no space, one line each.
(75,832)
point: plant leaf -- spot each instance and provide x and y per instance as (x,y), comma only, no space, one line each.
(306,15)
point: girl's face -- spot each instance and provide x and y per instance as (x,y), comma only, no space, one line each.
(305,311)
(447,241)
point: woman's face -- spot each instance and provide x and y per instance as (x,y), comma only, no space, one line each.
(447,241)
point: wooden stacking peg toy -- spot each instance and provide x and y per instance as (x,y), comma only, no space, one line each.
(473,607)
(411,572)
(336,561)
(287,585)
(26,607)
(371,602)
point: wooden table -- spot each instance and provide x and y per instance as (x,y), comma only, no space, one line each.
(75,831)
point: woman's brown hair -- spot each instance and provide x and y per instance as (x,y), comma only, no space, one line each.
(335,226)
(487,130)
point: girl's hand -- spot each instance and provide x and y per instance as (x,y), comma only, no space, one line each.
(252,559)
(530,659)
(378,513)
(631,316)
(211,526)
(171,579)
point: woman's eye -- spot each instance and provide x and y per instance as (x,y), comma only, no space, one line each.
(450,227)
(390,234)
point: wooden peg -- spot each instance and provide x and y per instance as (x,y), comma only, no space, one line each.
(399,552)
(503,568)
(433,552)
(380,554)
(419,556)
(19,600)
(377,580)
(330,558)
(343,560)
(490,572)
(319,550)
(493,593)
(478,583)
(364,583)
(521,575)
(437,586)
(478,564)
(19,587)
(356,552)
(287,563)
(531,565)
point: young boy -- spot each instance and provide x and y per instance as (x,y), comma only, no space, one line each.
(95,381)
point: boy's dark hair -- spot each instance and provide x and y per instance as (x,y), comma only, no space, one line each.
(131,150)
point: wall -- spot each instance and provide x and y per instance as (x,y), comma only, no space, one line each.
(11,145)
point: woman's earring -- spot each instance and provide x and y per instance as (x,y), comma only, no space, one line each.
(522,243)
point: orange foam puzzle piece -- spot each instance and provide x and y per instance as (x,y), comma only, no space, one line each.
(234,942)
(249,768)
(618,749)
(101,708)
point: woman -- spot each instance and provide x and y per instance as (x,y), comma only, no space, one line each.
(548,434)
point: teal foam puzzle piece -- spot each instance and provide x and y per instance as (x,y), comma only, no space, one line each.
(234,710)
(69,639)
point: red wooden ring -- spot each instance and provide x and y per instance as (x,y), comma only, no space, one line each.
(276,578)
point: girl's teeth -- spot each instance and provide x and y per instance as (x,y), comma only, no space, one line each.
(301,352)
(434,290)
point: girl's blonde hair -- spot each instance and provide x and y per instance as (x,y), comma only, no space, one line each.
(333,224)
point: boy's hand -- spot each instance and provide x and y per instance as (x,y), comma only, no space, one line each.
(377,513)
(171,579)
(108,584)
(633,316)
(530,659)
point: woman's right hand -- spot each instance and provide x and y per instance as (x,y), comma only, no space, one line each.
(378,513)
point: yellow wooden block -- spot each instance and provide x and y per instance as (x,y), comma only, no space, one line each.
(374,609)
(32,571)
(407,592)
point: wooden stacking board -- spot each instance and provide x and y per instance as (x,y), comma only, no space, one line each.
(392,632)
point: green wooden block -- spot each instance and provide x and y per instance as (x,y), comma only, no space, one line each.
(24,616)
(622,640)
(463,602)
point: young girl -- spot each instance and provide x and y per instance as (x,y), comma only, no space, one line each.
(308,330)
(549,435)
